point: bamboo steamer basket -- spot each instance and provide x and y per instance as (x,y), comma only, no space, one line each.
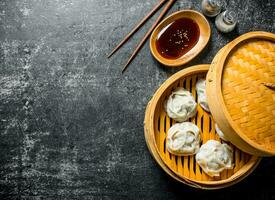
(240,102)
(184,168)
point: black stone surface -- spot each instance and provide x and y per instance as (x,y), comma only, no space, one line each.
(71,125)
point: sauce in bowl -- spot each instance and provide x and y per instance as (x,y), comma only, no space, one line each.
(177,38)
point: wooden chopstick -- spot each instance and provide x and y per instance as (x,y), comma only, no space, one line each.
(137,27)
(166,8)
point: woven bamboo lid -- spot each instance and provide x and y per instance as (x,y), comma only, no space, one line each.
(241,92)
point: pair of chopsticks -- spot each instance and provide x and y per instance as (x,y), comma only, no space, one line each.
(141,43)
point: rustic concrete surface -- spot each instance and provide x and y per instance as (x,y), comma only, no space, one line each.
(71,125)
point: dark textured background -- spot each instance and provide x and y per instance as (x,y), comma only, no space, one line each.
(71,125)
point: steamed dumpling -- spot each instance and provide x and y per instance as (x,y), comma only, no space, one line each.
(213,157)
(181,105)
(220,133)
(183,139)
(200,87)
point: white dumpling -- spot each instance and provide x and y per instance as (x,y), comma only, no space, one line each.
(183,139)
(213,157)
(220,133)
(201,92)
(181,105)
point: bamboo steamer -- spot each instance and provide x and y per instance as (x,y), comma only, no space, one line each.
(239,98)
(184,168)
(154,153)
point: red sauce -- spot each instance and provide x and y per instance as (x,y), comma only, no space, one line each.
(177,38)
